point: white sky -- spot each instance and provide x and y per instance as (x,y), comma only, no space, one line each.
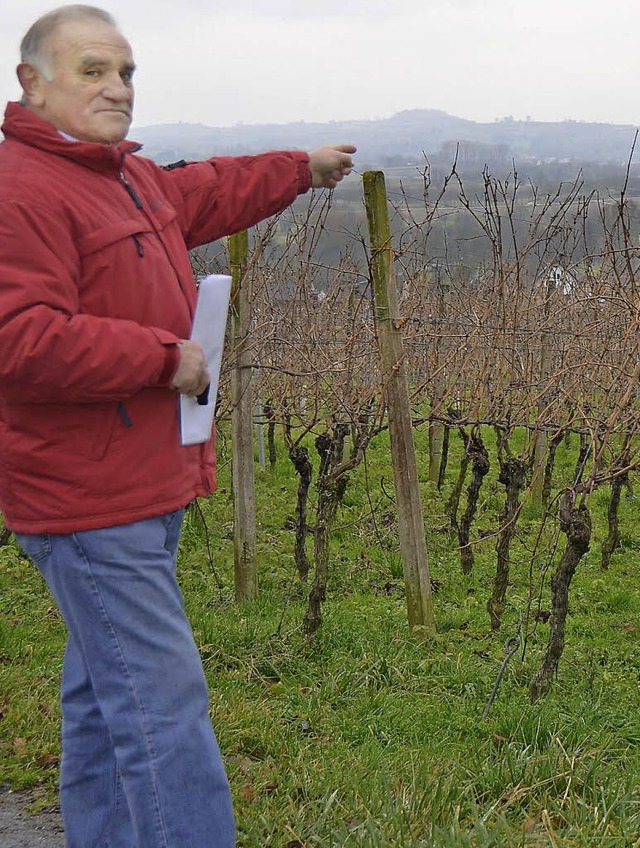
(219,62)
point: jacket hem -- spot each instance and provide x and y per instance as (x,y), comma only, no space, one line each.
(99,522)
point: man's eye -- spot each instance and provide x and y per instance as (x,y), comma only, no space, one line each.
(91,72)
(126,77)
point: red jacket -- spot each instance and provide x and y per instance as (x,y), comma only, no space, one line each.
(96,288)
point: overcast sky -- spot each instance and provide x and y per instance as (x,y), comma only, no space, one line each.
(220,62)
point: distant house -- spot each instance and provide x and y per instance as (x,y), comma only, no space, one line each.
(559,278)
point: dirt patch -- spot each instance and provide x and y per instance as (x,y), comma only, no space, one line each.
(20,828)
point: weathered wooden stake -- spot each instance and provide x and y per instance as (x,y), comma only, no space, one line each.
(243,476)
(541,437)
(413,547)
(436,428)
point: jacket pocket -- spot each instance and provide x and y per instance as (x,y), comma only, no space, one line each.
(102,238)
(37,434)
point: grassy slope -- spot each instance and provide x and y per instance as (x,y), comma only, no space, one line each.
(367,736)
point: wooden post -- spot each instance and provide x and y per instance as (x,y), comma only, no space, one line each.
(540,436)
(413,547)
(243,476)
(436,428)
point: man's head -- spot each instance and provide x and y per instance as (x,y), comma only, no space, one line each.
(76,72)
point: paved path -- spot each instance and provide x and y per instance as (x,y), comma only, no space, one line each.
(21,829)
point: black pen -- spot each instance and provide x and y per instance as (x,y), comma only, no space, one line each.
(203,397)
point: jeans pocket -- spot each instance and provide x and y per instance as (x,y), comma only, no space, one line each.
(37,546)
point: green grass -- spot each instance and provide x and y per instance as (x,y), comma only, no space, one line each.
(366,735)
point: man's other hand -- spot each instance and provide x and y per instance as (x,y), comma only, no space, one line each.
(192,376)
(330,164)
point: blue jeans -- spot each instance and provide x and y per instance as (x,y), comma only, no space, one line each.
(141,766)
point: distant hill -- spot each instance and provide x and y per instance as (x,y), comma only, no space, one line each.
(405,136)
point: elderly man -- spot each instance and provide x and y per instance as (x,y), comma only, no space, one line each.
(96,301)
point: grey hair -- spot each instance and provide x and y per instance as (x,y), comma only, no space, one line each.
(34,48)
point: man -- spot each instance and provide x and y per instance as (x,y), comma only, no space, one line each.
(96,301)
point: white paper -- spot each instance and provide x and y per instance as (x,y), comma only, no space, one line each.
(209,324)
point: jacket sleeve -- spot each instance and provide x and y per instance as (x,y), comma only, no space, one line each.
(227,194)
(51,352)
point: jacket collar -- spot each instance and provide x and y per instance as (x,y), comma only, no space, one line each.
(21,124)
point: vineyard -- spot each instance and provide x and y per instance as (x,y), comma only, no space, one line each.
(419,460)
(538,347)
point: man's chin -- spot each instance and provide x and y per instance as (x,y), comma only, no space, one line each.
(121,133)
(115,128)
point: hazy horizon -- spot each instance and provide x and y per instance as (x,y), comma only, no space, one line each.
(359,119)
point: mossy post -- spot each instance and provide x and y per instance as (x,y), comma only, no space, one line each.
(413,547)
(436,428)
(540,435)
(243,475)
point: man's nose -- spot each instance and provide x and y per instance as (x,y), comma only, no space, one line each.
(115,88)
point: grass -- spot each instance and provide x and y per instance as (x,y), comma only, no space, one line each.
(366,735)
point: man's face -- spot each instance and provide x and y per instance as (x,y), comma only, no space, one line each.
(91,94)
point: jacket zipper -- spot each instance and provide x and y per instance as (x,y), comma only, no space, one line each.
(124,415)
(122,410)
(134,196)
(131,190)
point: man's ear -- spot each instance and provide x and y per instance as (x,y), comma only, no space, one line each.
(32,84)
